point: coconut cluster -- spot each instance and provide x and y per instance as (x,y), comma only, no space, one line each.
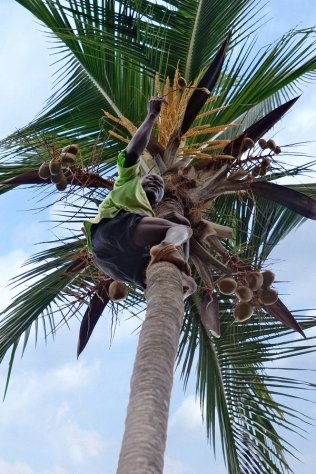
(56,167)
(269,145)
(251,290)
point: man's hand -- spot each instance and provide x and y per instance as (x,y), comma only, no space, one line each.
(155,104)
(141,138)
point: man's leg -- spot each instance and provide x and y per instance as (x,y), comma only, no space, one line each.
(153,231)
(163,237)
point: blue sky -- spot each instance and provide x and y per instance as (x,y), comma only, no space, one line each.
(64,416)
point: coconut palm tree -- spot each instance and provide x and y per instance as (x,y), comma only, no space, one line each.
(218,163)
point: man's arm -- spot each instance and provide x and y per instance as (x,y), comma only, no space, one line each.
(141,138)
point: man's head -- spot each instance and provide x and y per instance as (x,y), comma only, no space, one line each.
(154,187)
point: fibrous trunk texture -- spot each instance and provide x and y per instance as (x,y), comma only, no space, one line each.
(146,423)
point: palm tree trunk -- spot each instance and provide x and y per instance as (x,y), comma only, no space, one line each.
(146,423)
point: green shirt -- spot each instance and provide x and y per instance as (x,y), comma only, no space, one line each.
(127,194)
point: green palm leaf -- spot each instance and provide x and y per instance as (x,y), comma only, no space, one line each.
(109,53)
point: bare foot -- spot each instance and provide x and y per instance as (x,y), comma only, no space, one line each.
(169,253)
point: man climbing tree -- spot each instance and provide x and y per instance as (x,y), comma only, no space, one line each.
(125,236)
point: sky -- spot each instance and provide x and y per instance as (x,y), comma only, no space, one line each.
(63,416)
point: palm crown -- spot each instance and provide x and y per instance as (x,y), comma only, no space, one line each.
(115,56)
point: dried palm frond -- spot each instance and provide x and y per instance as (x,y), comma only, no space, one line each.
(123,121)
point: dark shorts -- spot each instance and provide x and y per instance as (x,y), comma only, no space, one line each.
(114,251)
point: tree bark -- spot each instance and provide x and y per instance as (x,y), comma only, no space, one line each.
(146,423)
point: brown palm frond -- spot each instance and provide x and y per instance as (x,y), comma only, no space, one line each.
(202,130)
(119,137)
(211,112)
(123,121)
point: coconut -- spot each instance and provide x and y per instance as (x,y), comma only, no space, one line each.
(118,291)
(182,82)
(268,296)
(248,143)
(227,286)
(263,144)
(57,178)
(271,144)
(71,149)
(255,280)
(54,166)
(239,174)
(43,171)
(243,311)
(244,293)
(68,159)
(266,162)
(256,170)
(268,279)
(277,150)
(62,184)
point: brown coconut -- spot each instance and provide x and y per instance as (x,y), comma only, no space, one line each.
(243,311)
(255,280)
(68,159)
(268,279)
(54,167)
(263,144)
(248,143)
(244,293)
(268,296)
(182,83)
(73,148)
(227,286)
(57,178)
(62,184)
(118,291)
(271,144)
(43,171)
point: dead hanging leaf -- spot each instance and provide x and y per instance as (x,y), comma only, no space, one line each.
(257,130)
(208,81)
(91,317)
(294,200)
(210,314)
(279,311)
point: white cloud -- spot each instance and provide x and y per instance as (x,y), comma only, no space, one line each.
(14,468)
(56,470)
(174,466)
(74,375)
(10,265)
(187,417)
(38,391)
(78,443)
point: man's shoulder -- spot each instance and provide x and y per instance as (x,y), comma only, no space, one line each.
(126,173)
